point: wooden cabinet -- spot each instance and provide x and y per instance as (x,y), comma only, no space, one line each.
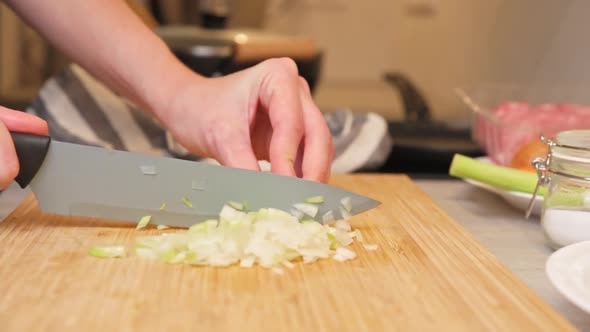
(24,60)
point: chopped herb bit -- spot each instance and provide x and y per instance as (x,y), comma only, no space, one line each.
(143,222)
(186,202)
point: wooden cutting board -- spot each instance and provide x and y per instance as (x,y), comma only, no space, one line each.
(428,274)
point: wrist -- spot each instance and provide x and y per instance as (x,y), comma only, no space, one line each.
(168,76)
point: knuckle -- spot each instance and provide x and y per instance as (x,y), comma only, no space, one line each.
(304,84)
(283,65)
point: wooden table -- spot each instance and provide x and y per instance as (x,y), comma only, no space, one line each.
(428,274)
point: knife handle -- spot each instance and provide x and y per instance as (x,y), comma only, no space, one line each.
(31,151)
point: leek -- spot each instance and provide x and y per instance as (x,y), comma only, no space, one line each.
(107,251)
(186,202)
(500,177)
(314,200)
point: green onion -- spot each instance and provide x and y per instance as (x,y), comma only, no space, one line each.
(107,251)
(501,177)
(186,202)
(161,227)
(163,206)
(333,240)
(314,200)
(143,222)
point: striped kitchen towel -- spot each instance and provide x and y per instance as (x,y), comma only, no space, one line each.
(80,109)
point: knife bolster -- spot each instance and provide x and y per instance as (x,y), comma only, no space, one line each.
(31,151)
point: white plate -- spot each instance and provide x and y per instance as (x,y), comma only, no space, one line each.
(516,199)
(568,270)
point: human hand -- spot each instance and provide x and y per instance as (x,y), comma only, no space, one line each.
(262,113)
(11,120)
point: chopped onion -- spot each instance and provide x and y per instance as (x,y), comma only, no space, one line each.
(358,235)
(314,200)
(309,209)
(203,226)
(328,217)
(297,213)
(236,205)
(107,251)
(143,222)
(346,203)
(269,238)
(163,206)
(186,202)
(247,261)
(371,246)
(198,184)
(344,213)
(343,225)
(288,264)
(161,227)
(148,169)
(343,254)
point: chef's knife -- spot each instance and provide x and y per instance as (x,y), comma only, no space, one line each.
(79,180)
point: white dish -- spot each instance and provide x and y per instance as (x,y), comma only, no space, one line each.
(568,269)
(516,199)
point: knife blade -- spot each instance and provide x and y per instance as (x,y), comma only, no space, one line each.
(88,181)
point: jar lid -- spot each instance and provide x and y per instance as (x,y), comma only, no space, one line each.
(571,146)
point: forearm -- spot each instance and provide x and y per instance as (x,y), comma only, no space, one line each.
(111,42)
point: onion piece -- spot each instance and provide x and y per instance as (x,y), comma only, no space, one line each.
(146,253)
(343,225)
(345,214)
(328,217)
(143,222)
(198,184)
(309,209)
(288,264)
(236,205)
(314,200)
(371,246)
(247,261)
(297,213)
(344,253)
(346,203)
(358,235)
(186,201)
(163,206)
(203,226)
(107,251)
(161,227)
(148,169)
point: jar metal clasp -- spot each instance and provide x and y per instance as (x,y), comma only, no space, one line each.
(542,167)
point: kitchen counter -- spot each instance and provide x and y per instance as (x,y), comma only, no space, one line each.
(516,241)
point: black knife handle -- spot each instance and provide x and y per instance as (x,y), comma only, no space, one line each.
(31,151)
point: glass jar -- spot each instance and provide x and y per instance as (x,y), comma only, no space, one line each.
(564,181)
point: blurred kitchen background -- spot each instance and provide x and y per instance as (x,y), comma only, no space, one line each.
(402,59)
